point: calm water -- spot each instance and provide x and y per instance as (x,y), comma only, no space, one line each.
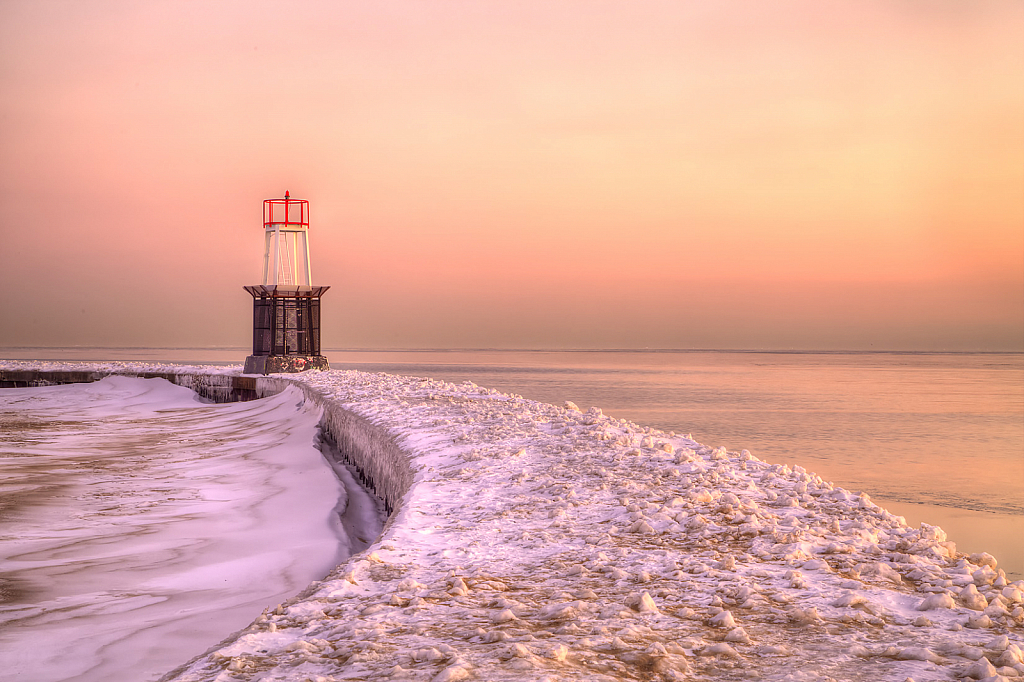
(935,437)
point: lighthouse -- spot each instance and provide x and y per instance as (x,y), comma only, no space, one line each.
(286,307)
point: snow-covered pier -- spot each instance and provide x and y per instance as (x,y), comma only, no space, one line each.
(538,542)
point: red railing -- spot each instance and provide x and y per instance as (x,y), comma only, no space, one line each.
(285,212)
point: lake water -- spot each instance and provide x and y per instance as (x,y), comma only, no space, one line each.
(935,437)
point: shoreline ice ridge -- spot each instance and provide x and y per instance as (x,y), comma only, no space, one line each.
(542,542)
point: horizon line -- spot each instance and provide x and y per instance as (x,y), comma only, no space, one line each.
(794,351)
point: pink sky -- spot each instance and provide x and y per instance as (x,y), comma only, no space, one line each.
(521,174)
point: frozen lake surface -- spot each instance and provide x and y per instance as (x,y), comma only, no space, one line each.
(139,525)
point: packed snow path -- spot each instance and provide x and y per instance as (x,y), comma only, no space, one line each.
(543,543)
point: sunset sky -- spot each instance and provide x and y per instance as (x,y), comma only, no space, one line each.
(550,174)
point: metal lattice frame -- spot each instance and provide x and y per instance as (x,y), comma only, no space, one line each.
(287,322)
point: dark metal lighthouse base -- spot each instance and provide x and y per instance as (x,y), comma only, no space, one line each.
(285,329)
(272,364)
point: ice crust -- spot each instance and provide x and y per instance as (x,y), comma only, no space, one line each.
(147,524)
(539,542)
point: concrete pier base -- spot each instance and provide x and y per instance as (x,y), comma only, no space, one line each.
(272,364)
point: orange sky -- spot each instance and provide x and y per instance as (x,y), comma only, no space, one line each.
(519,174)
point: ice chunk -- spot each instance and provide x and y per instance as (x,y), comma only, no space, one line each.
(723,620)
(939,600)
(981,669)
(972,599)
(642,602)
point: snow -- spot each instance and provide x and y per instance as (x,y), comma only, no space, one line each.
(545,542)
(144,518)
